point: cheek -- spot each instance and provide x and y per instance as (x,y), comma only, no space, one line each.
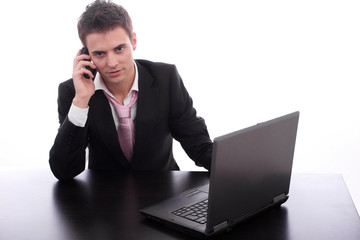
(127,58)
(99,65)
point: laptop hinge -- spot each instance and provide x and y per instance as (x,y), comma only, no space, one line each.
(279,198)
(221,226)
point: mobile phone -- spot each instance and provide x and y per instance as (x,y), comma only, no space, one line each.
(85,51)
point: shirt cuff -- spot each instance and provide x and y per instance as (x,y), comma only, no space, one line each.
(78,116)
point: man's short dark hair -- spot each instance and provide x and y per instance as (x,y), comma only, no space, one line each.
(102,16)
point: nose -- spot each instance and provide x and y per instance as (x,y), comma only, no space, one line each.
(111,60)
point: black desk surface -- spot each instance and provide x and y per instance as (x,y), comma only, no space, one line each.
(100,205)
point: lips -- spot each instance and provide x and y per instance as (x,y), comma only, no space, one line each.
(115,73)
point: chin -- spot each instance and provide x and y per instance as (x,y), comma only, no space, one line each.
(116,80)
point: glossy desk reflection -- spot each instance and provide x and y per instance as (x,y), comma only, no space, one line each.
(103,205)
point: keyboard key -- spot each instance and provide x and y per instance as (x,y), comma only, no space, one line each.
(191,217)
(196,212)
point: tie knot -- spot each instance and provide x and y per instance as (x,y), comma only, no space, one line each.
(123,111)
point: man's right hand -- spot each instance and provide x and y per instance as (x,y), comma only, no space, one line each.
(84,88)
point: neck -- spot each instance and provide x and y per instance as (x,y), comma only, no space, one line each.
(122,88)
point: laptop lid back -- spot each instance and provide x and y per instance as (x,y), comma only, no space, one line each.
(251,171)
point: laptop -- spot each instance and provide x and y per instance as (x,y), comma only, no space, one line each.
(250,172)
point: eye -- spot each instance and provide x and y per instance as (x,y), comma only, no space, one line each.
(120,48)
(98,54)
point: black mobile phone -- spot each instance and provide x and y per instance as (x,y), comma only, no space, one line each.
(85,51)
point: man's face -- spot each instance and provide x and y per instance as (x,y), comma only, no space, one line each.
(111,52)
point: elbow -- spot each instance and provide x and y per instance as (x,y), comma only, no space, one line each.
(64,173)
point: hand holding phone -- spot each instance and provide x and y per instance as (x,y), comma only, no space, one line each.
(93,71)
(84,88)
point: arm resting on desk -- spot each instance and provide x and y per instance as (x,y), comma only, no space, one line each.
(67,156)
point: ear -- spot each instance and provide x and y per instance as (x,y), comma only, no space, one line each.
(134,41)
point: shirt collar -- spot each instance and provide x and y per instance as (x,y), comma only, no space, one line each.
(100,85)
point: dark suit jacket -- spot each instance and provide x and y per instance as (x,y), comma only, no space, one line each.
(164,111)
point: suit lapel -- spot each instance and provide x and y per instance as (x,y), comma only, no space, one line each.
(104,122)
(147,109)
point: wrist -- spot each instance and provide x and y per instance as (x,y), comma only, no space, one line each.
(81,102)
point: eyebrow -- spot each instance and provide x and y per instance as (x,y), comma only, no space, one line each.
(118,46)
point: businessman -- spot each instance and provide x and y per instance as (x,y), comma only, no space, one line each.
(127,113)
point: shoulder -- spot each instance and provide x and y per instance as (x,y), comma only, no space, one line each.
(66,92)
(150,64)
(158,73)
(155,67)
(67,85)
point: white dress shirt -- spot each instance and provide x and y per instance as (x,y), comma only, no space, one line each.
(78,116)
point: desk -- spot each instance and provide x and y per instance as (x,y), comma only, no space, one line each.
(103,205)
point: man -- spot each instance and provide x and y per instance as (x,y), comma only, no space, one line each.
(153,95)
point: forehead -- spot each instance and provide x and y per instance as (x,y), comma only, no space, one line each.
(103,41)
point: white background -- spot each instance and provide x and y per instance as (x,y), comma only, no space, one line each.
(243,62)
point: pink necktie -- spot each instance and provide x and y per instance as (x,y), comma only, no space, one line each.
(126,133)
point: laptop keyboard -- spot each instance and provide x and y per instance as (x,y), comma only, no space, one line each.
(196,212)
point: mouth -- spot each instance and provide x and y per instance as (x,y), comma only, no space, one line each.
(115,73)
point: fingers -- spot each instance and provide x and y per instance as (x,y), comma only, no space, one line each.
(81,69)
(79,57)
(86,73)
(84,59)
(81,66)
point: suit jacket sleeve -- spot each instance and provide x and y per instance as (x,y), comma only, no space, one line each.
(186,127)
(67,156)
